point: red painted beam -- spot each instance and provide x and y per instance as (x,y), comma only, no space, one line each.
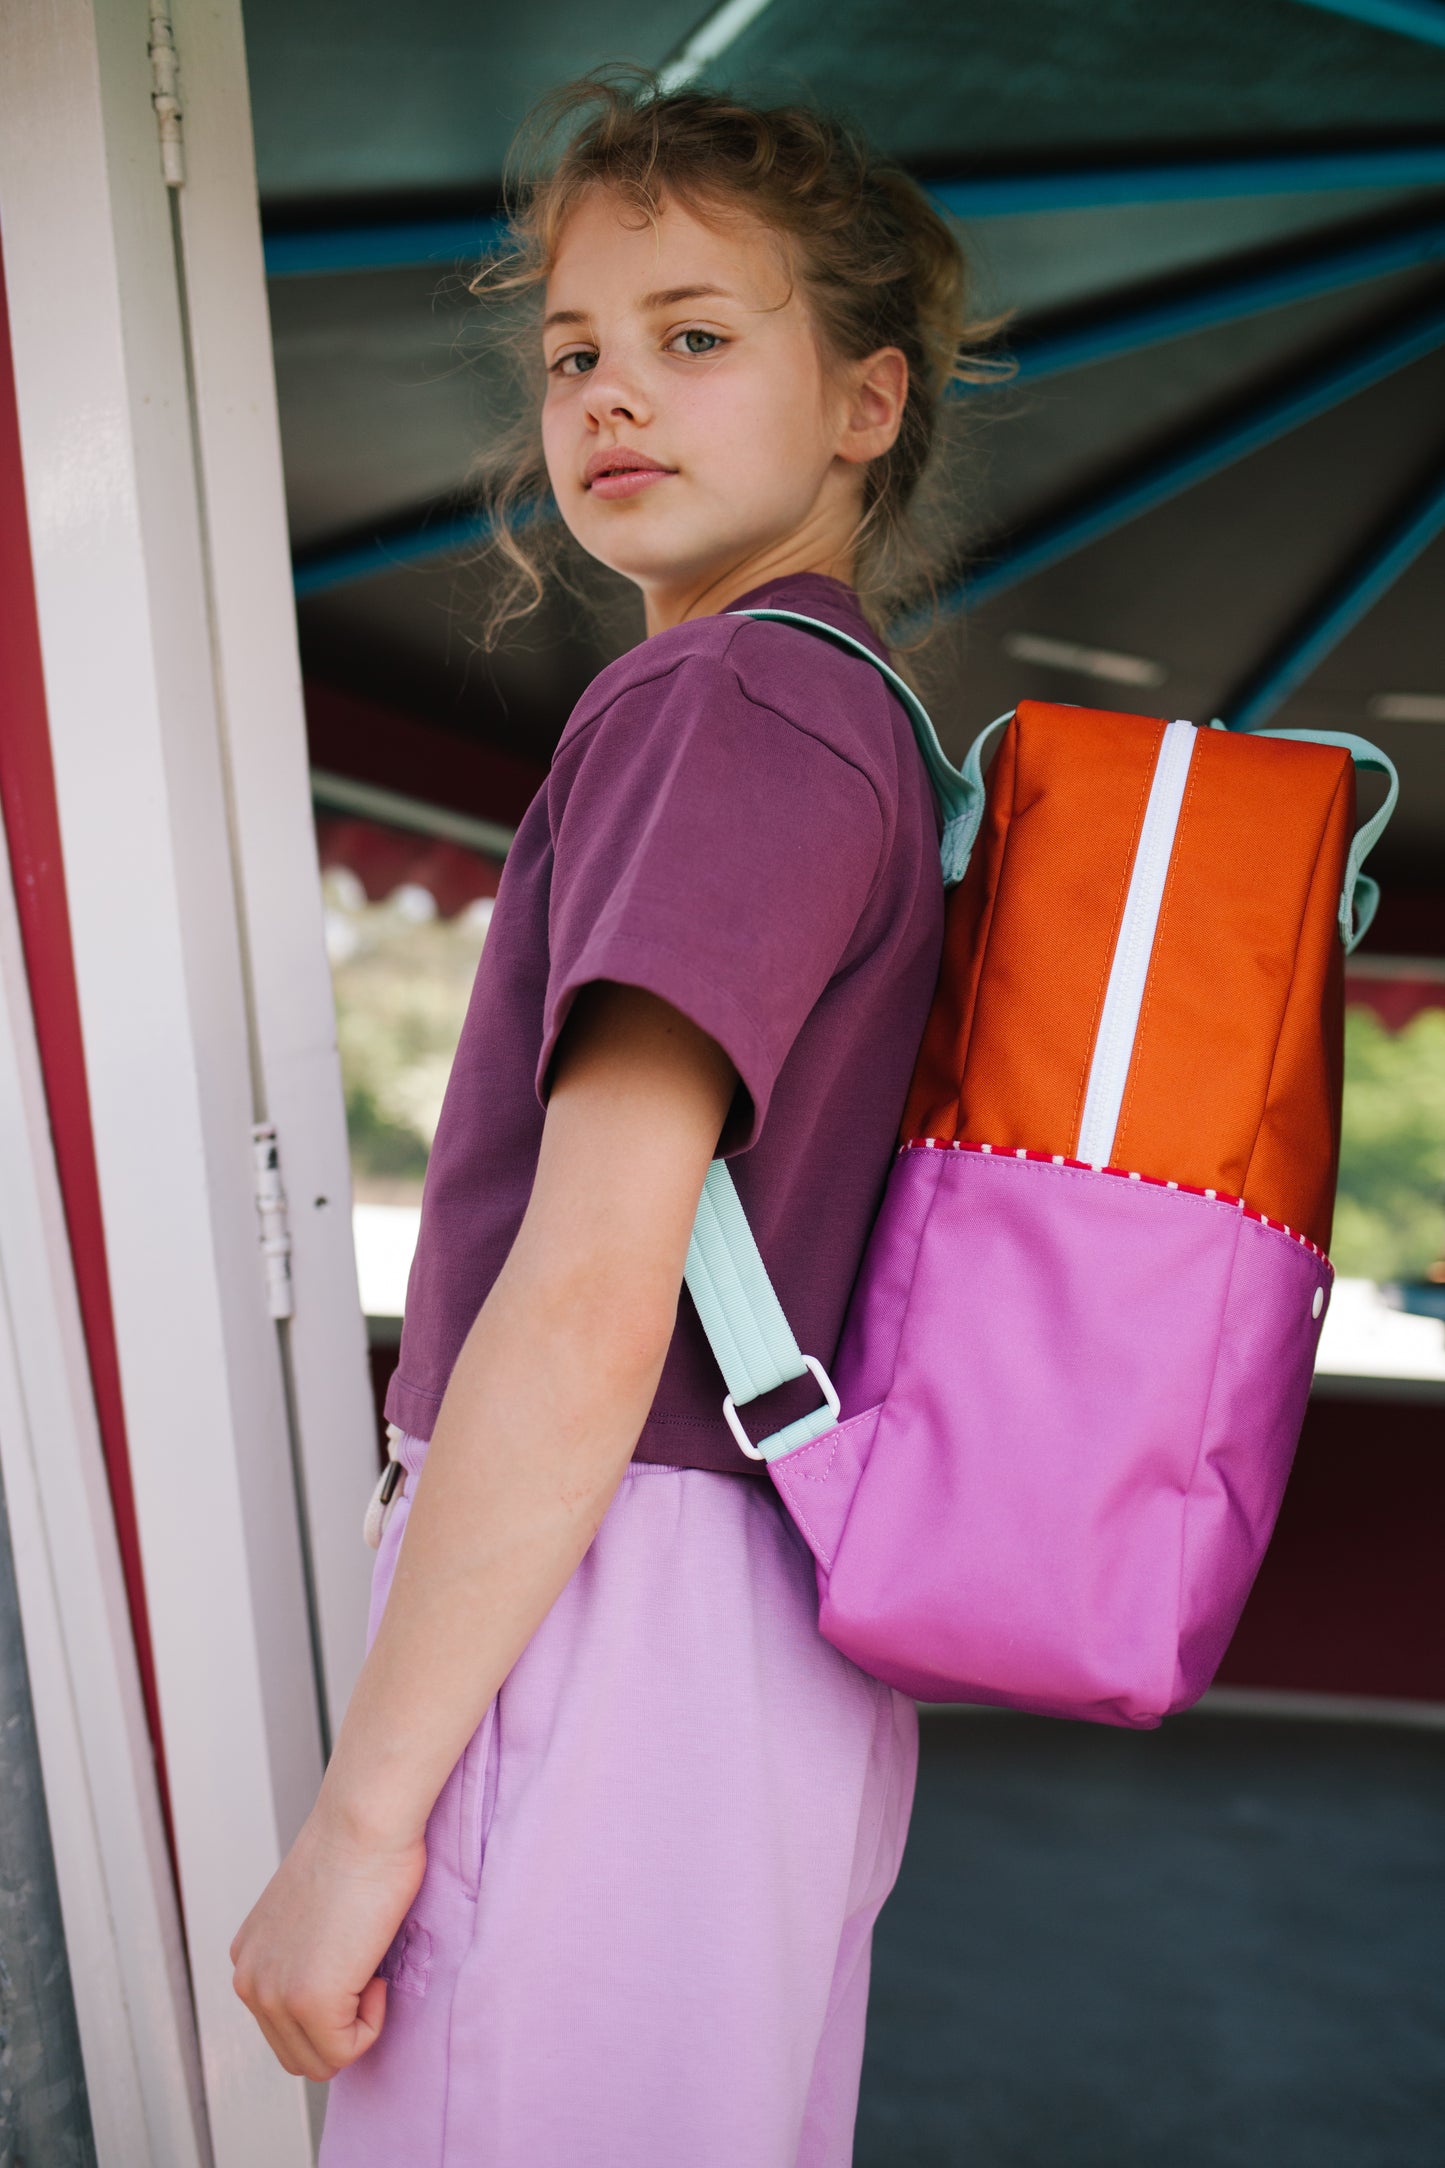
(383,858)
(370,743)
(1409,922)
(32,826)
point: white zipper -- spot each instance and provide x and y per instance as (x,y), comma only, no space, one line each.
(1129,971)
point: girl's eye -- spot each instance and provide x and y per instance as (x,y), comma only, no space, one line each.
(584,358)
(695,341)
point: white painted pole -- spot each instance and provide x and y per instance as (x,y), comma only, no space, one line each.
(258,676)
(117,1899)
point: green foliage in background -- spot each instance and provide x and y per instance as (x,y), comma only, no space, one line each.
(382,1146)
(1390,1220)
(402,978)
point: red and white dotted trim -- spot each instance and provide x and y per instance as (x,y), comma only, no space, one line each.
(1123,1174)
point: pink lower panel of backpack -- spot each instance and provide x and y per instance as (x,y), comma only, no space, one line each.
(1078,1399)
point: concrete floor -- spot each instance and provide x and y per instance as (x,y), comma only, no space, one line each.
(1218,1945)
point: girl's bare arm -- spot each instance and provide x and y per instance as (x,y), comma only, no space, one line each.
(545,1404)
(538,1423)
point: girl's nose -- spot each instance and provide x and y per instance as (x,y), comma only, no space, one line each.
(615,394)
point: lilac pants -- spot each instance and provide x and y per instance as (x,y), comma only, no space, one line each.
(644,1933)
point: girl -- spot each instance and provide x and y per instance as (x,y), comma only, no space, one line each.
(593,1873)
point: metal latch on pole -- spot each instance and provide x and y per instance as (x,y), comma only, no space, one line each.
(275,1224)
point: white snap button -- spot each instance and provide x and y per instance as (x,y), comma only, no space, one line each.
(1319,1302)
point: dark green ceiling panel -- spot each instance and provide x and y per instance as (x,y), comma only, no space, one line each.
(950,81)
(358,97)
(1056,259)
(361,97)
(382,407)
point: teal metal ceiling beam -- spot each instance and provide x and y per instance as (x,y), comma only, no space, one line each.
(386,245)
(441,531)
(1338,608)
(1190,180)
(1423,19)
(405,245)
(341,564)
(1224,295)
(1368,360)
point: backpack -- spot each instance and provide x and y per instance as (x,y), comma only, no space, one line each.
(1075,1361)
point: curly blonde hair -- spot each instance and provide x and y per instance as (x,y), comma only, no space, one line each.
(878,266)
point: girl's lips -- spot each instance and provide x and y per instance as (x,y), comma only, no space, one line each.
(628,481)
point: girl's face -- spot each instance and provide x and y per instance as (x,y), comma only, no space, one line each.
(694,438)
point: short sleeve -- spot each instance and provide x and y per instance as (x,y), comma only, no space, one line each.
(718,854)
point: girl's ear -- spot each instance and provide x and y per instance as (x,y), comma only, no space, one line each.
(873,415)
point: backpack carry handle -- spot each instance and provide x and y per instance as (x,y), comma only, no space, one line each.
(1360,896)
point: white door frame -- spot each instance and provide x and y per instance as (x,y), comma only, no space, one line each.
(117,1896)
(152,480)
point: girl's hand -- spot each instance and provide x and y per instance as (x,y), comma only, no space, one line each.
(307,1952)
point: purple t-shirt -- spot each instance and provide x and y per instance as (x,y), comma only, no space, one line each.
(736,818)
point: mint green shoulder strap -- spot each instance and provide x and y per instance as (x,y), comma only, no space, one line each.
(959,791)
(747,1330)
(744,1321)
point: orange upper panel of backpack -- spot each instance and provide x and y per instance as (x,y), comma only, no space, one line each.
(1234,1079)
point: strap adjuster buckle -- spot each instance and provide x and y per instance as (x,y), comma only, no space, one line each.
(760,1451)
